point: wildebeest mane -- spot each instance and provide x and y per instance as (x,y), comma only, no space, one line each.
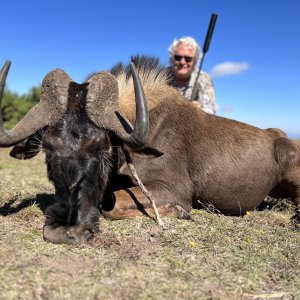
(147,67)
(155,79)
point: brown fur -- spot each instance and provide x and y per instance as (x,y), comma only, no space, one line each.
(131,203)
(208,159)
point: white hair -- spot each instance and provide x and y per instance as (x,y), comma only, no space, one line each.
(189,42)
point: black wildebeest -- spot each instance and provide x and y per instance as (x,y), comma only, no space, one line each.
(187,159)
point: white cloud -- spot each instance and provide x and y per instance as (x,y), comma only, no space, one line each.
(225,108)
(229,68)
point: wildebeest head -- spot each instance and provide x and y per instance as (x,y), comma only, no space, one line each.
(75,124)
(97,99)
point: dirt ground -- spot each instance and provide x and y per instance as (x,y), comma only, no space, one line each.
(211,257)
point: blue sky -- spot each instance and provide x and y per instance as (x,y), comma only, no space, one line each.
(253,56)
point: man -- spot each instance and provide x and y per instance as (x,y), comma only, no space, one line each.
(184,54)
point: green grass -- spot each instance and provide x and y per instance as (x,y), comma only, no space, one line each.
(212,257)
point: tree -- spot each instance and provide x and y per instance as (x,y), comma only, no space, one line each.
(33,95)
(14,107)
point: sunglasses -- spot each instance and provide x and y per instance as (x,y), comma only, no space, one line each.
(187,59)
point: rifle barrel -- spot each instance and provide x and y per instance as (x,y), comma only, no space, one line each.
(209,33)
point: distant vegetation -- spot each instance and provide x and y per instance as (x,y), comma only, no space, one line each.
(15,106)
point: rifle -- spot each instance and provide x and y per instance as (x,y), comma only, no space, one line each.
(209,33)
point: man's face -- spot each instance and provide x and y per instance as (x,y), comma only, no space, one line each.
(183,62)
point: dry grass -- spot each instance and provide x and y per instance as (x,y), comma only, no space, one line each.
(212,257)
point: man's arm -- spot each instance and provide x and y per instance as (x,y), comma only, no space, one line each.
(207,94)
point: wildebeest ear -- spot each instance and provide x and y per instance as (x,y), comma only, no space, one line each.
(103,101)
(148,152)
(103,105)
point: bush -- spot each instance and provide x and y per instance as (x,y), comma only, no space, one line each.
(14,107)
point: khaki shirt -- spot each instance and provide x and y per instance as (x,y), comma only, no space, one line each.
(205,91)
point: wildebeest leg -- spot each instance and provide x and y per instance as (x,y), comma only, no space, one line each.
(292,183)
(296,217)
(289,190)
(132,202)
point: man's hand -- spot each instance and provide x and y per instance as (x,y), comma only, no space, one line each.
(196,103)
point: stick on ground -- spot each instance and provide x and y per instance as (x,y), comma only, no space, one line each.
(143,188)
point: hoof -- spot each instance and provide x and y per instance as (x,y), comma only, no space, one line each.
(71,235)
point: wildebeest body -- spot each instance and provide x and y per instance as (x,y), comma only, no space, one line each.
(228,164)
(206,159)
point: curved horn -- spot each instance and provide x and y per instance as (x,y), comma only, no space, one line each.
(103,108)
(138,139)
(3,75)
(52,105)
